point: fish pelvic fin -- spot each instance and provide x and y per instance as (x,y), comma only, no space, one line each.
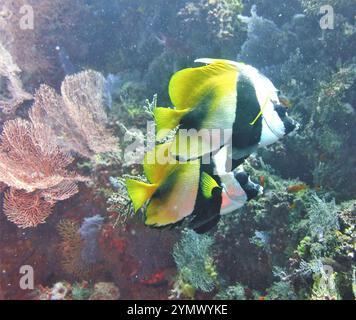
(167,120)
(139,192)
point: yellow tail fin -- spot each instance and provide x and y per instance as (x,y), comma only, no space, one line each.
(139,192)
(167,120)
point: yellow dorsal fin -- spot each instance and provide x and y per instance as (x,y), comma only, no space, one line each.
(139,192)
(189,86)
(211,60)
(208,184)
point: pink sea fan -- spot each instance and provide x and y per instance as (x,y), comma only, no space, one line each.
(29,160)
(62,191)
(77,116)
(35,169)
(3,187)
(24,209)
(34,155)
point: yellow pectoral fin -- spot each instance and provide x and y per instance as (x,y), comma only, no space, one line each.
(139,192)
(167,120)
(208,184)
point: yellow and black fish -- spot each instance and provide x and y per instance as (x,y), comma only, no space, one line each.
(219,104)
(172,187)
(177,190)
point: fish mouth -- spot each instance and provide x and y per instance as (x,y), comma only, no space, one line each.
(291,126)
(253,190)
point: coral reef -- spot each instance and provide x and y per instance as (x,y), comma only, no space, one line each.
(30,159)
(295,242)
(71,247)
(235,292)
(80,247)
(321,89)
(277,247)
(26,209)
(323,217)
(81,291)
(89,231)
(33,29)
(219,16)
(12,94)
(77,291)
(196,269)
(282,290)
(264,42)
(35,154)
(77,118)
(32,162)
(313,6)
(105,291)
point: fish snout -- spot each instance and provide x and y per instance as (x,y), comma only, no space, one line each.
(290,125)
(253,190)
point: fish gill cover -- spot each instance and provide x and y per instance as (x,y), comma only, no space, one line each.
(77,118)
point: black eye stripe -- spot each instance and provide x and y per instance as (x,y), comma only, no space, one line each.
(242,178)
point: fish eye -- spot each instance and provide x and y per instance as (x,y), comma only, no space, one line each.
(281,110)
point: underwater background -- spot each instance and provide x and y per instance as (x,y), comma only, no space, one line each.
(67,228)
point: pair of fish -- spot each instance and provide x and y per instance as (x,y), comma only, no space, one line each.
(179,189)
(223,112)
